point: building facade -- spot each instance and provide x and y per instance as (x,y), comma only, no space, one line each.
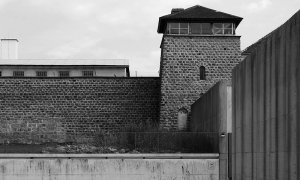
(199,48)
(12,66)
(64,71)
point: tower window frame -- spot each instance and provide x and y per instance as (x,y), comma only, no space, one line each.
(223,29)
(201,28)
(202,73)
(178,28)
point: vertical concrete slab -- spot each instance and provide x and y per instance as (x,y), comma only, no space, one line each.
(297,52)
(293,96)
(233,136)
(268,107)
(238,122)
(261,91)
(281,111)
(273,119)
(229,109)
(209,114)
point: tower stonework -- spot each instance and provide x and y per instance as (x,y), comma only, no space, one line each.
(199,48)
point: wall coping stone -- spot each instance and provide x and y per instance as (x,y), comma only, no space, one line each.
(95,77)
(114,156)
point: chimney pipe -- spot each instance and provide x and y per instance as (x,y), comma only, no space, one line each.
(176,10)
(9,48)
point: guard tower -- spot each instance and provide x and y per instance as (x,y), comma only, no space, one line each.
(199,48)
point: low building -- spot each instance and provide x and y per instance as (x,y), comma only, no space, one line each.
(11,66)
(63,68)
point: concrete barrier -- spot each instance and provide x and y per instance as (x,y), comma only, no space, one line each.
(109,166)
(212,113)
(266,107)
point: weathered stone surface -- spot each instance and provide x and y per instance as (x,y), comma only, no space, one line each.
(182,57)
(51,109)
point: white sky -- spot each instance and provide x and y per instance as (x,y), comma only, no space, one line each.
(123,29)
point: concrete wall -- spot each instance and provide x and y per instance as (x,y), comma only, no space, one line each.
(181,59)
(210,113)
(81,167)
(74,109)
(266,107)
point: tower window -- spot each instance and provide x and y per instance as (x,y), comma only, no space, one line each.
(223,28)
(178,28)
(200,28)
(18,73)
(202,73)
(64,73)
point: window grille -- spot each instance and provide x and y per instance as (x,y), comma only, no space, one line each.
(87,73)
(41,73)
(64,74)
(18,73)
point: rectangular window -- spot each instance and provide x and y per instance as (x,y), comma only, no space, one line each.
(218,28)
(178,28)
(88,73)
(228,28)
(18,73)
(200,28)
(223,28)
(41,73)
(0,73)
(206,28)
(64,74)
(195,28)
(183,28)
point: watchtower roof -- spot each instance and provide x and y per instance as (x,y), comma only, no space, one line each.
(199,14)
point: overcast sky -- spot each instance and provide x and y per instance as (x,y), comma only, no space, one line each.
(120,29)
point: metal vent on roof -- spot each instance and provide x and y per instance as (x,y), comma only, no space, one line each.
(176,10)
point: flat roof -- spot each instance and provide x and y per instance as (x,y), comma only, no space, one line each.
(65,62)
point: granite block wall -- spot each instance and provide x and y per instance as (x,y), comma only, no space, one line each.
(73,109)
(181,59)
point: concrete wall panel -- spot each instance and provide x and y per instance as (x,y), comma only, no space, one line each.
(266,107)
(209,114)
(110,169)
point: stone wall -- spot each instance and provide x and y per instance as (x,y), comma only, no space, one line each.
(73,109)
(181,59)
